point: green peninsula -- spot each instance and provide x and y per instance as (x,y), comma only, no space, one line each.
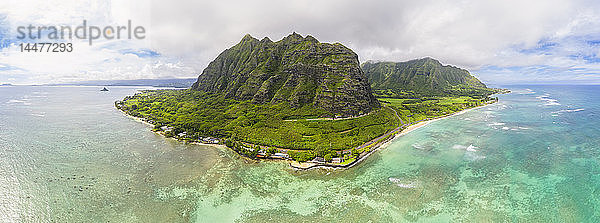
(304,100)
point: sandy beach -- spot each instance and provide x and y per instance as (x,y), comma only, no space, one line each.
(136,118)
(424,123)
(410,128)
(151,125)
(306,166)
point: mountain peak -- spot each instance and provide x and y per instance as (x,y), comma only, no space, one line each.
(248,37)
(294,37)
(429,60)
(266,39)
(327,77)
(311,39)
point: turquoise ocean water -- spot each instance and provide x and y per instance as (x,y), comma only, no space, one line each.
(67,155)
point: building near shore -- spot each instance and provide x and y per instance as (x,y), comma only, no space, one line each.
(280,156)
(318,160)
(166,128)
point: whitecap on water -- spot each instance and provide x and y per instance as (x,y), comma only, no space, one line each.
(459,147)
(470,152)
(473,156)
(549,101)
(567,110)
(417,146)
(399,183)
(472,148)
(526,91)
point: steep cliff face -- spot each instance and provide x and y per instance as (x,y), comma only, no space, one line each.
(423,76)
(297,70)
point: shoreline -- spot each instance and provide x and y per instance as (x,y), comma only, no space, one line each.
(381,145)
(420,124)
(160,133)
(295,165)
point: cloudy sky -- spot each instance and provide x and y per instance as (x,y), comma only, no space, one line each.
(501,42)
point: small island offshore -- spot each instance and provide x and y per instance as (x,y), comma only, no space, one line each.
(306,102)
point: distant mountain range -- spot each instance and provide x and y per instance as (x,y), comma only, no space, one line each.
(172,82)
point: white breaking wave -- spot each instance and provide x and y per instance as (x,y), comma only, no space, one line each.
(399,183)
(527,91)
(459,147)
(549,101)
(471,152)
(568,110)
(496,124)
(472,148)
(417,146)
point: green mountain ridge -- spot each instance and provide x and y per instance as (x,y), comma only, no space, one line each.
(424,77)
(298,70)
(287,96)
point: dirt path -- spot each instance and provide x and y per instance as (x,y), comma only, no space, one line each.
(322,119)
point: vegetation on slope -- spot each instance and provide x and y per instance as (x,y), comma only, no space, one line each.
(300,132)
(306,99)
(297,70)
(201,114)
(422,77)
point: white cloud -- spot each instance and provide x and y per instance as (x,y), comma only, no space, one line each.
(104,59)
(499,40)
(469,33)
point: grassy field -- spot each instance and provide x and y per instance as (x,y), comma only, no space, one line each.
(412,110)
